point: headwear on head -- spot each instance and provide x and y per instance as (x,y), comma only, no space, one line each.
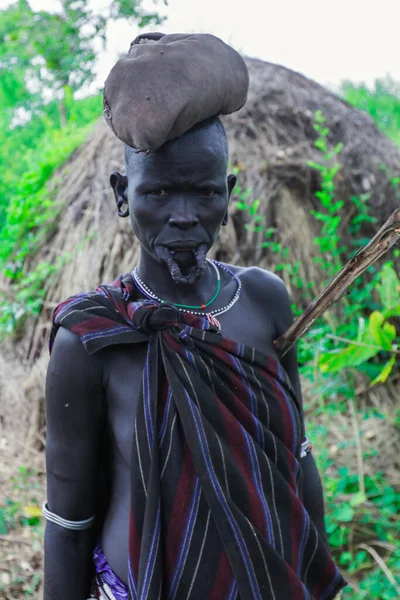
(166,84)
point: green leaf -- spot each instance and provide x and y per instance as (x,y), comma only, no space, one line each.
(390,330)
(338,205)
(254,207)
(246,194)
(332,362)
(388,287)
(345,558)
(332,172)
(338,147)
(393,312)
(351,356)
(344,513)
(358,498)
(383,332)
(314,165)
(3,525)
(241,206)
(270,232)
(375,324)
(324,197)
(321,144)
(384,374)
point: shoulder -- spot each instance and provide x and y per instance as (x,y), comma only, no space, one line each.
(68,356)
(265,282)
(269,292)
(67,342)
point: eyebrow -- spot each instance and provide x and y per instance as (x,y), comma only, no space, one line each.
(209,182)
(160,184)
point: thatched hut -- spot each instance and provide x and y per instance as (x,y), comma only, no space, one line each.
(271,141)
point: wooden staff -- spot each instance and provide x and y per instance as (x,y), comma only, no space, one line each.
(384,239)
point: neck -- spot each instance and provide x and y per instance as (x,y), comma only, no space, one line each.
(157,277)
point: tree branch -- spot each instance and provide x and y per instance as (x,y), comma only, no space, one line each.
(382,241)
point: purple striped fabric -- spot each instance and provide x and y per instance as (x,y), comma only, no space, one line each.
(216,503)
(106,576)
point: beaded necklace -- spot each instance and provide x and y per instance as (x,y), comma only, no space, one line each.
(148,293)
(202,306)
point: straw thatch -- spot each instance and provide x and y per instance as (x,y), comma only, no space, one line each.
(271,139)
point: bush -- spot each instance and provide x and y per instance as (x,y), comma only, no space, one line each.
(36,151)
(381,102)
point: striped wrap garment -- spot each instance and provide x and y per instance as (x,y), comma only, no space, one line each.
(216,479)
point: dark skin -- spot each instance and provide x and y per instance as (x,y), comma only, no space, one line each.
(177,197)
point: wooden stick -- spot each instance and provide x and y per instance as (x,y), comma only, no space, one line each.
(382,241)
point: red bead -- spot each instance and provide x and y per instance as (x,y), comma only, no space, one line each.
(203,306)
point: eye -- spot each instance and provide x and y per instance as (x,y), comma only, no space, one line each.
(207,193)
(158,193)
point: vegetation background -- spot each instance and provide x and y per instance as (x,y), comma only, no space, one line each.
(45,59)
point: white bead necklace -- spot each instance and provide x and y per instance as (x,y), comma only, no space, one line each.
(146,291)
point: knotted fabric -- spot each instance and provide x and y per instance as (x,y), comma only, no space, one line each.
(216,502)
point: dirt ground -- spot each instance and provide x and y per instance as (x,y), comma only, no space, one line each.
(21,527)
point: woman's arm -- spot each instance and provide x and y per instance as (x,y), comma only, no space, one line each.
(75,417)
(312,488)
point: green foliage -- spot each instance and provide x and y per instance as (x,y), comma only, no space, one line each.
(256,223)
(26,511)
(381,102)
(54,53)
(15,65)
(132,9)
(376,335)
(30,209)
(43,55)
(20,512)
(328,241)
(30,213)
(368,337)
(361,511)
(362,526)
(22,147)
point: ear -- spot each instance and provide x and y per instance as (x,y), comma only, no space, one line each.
(119,184)
(231,185)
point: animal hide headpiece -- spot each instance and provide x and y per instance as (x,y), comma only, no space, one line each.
(168,83)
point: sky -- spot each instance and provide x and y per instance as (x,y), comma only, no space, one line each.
(326,41)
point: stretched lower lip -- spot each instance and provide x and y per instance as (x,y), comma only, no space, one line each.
(182,248)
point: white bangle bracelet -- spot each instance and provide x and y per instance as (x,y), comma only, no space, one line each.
(73,525)
(305,448)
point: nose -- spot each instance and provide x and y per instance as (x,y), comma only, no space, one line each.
(184,219)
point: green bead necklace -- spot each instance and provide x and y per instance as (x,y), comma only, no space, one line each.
(188,306)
